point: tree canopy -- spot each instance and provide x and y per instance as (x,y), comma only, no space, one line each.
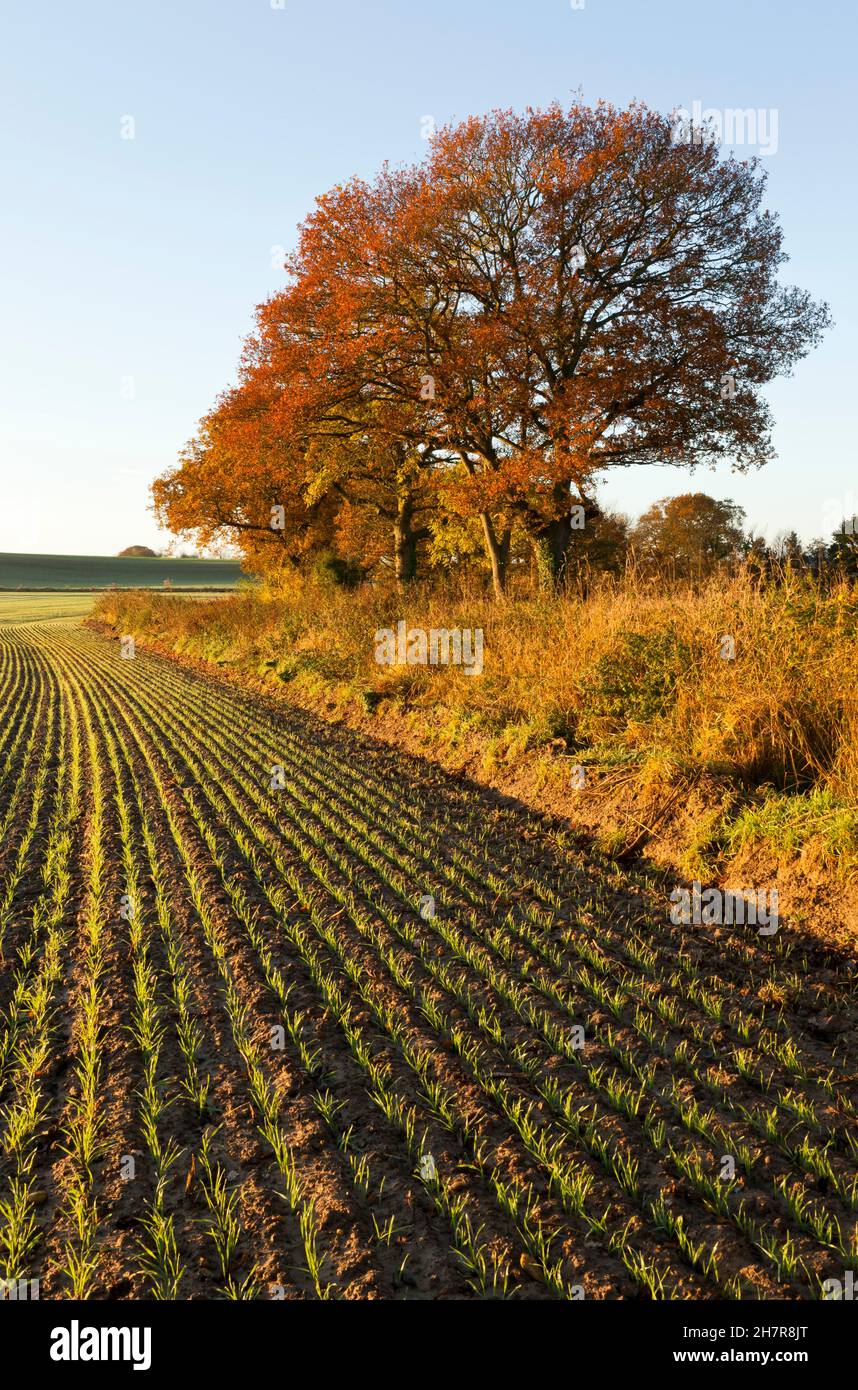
(690,534)
(546,297)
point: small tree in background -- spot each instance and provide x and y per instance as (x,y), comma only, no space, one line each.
(690,535)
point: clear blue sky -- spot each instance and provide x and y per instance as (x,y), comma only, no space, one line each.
(131,267)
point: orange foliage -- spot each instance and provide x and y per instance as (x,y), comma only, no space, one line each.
(546,296)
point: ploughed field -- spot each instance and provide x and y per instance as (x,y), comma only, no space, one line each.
(286,1013)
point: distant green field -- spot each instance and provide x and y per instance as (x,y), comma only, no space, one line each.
(32,607)
(107,571)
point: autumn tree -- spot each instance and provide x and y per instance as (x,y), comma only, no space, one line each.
(620,303)
(583,292)
(239,481)
(601,546)
(546,297)
(690,534)
(353,329)
(317,345)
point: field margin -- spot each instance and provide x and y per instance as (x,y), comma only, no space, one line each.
(623,825)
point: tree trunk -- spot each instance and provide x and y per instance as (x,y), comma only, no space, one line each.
(553,541)
(406,537)
(404,551)
(497,549)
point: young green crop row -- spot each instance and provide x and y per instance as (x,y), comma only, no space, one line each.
(237,1059)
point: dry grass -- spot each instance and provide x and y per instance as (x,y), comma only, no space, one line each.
(635,678)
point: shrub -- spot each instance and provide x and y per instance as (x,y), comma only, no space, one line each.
(336,572)
(634,681)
